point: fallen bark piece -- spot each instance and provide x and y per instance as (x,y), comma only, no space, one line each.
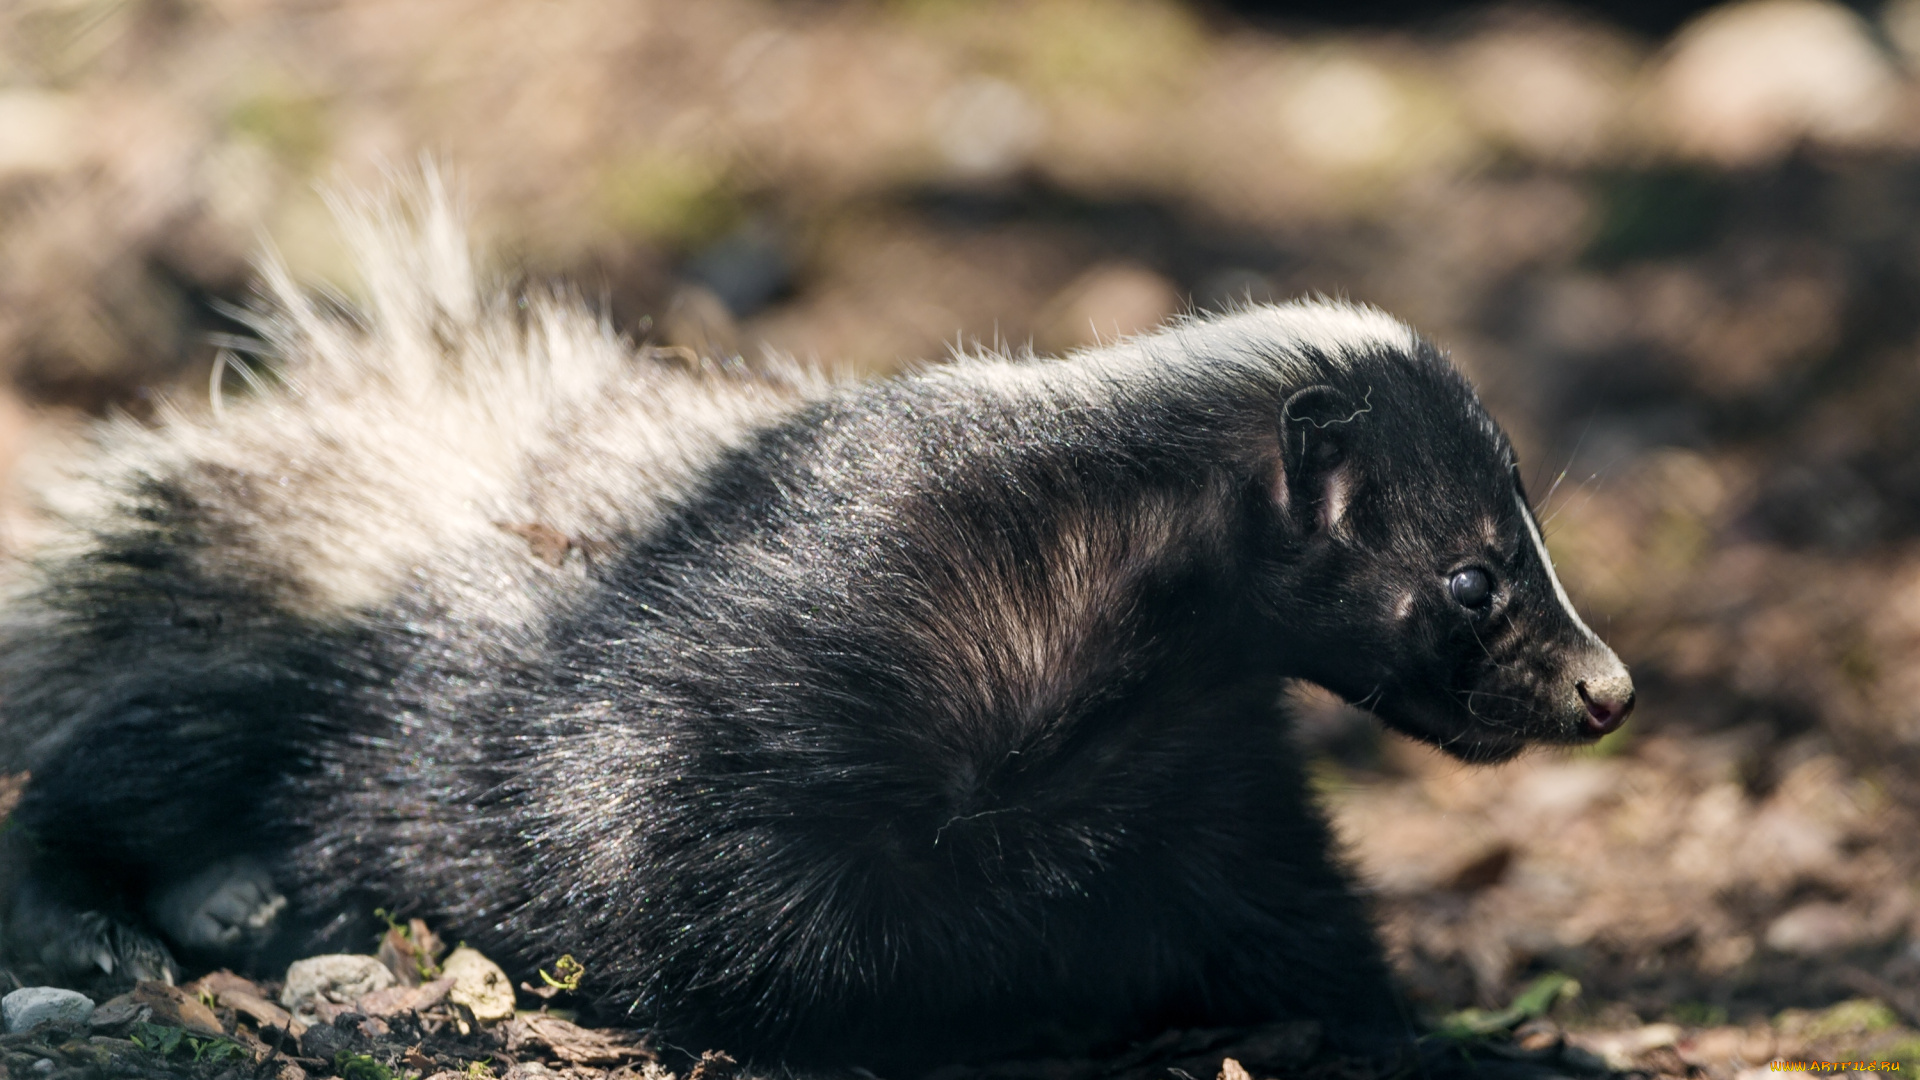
(411,952)
(174,1007)
(400,999)
(574,1044)
(326,1012)
(263,1013)
(115,1047)
(246,997)
(340,979)
(116,1015)
(224,981)
(479,986)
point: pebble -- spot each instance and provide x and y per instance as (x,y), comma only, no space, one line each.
(1108,302)
(1742,83)
(479,985)
(1621,1050)
(747,270)
(31,1006)
(1817,928)
(340,979)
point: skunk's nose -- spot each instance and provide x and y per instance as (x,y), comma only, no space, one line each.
(1608,698)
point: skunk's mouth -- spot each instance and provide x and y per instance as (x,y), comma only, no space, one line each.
(1481,726)
(1452,728)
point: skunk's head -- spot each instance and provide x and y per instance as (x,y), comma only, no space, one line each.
(1412,579)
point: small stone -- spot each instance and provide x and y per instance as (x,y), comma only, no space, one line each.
(1817,928)
(1109,302)
(1743,82)
(1621,1050)
(478,985)
(339,979)
(27,1008)
(40,132)
(987,128)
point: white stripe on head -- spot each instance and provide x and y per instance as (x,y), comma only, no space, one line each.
(1338,330)
(1559,590)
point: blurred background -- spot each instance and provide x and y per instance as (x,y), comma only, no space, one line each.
(1677,245)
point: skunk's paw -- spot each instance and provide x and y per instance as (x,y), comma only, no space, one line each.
(71,945)
(228,909)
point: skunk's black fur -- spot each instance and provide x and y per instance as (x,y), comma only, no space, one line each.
(892,724)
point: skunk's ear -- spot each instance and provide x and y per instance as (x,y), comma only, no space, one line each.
(1317,429)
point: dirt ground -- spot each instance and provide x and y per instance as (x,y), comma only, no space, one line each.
(1685,273)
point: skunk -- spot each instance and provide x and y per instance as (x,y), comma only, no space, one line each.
(885,724)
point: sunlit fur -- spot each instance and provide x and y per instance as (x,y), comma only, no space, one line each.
(886,724)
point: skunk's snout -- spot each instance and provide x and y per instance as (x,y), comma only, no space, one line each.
(1608,696)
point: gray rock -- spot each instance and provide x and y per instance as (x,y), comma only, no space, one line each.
(27,1008)
(340,979)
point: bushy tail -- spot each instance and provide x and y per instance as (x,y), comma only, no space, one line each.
(441,441)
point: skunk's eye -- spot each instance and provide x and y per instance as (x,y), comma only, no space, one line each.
(1470,587)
